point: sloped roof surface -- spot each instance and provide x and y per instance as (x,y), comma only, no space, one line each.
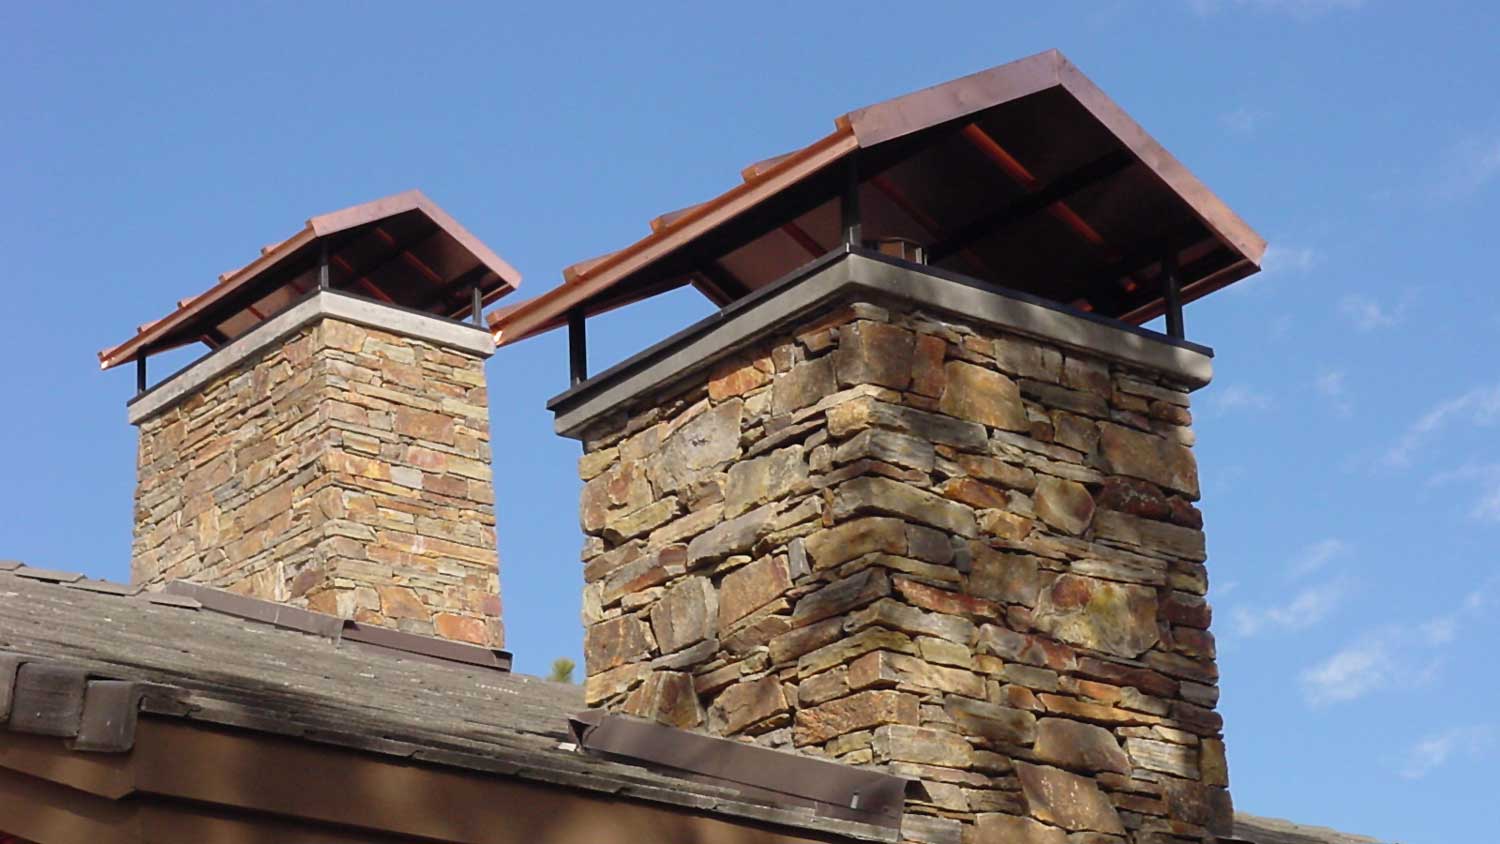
(242,673)
(1025,175)
(1276,831)
(401,249)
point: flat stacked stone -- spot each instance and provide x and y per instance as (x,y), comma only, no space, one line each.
(894,539)
(346,469)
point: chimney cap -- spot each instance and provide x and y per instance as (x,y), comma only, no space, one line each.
(1025,175)
(403,250)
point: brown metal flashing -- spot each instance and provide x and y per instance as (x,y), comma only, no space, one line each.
(469,263)
(1086,125)
(253,609)
(47,575)
(834,790)
(429,647)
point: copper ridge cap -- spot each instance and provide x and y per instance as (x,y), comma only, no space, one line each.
(314,228)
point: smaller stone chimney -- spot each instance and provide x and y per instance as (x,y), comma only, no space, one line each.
(332,450)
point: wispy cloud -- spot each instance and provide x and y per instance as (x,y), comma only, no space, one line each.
(1350,673)
(1368,314)
(1437,749)
(1316,556)
(1383,657)
(1487,477)
(1479,407)
(1237,398)
(1332,384)
(1305,609)
(1244,120)
(1295,8)
(1469,166)
(1281,260)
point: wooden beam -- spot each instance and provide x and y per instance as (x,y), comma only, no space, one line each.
(934,229)
(803,239)
(1061,188)
(405,254)
(1018,173)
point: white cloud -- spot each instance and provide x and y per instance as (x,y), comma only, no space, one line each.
(1278,261)
(1305,609)
(1332,385)
(1350,673)
(1486,476)
(1238,397)
(1295,8)
(1316,556)
(1368,314)
(1244,120)
(1436,750)
(1479,407)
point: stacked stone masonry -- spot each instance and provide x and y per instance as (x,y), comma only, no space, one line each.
(893,539)
(346,469)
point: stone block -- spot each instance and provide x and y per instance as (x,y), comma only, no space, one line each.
(705,442)
(861,711)
(841,596)
(921,745)
(984,396)
(666,697)
(1150,536)
(747,589)
(854,416)
(992,722)
(1068,800)
(616,641)
(686,614)
(746,704)
(1004,577)
(888,447)
(886,669)
(855,538)
(754,482)
(996,828)
(889,497)
(730,537)
(1115,618)
(874,353)
(928,377)
(1079,746)
(1148,457)
(802,385)
(1065,505)
(1164,757)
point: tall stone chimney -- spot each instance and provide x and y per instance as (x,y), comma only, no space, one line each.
(906,522)
(332,451)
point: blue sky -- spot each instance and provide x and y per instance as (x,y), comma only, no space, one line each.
(1351,477)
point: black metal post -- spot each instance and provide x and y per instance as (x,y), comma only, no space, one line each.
(323,267)
(140,375)
(476,305)
(1172,296)
(578,348)
(849,205)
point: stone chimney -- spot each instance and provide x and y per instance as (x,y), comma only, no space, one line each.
(335,455)
(885,517)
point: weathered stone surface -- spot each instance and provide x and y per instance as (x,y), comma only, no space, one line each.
(1212,763)
(887,669)
(686,614)
(982,395)
(797,641)
(1175,759)
(1124,567)
(896,615)
(854,416)
(1028,358)
(841,596)
(889,447)
(803,385)
(1053,396)
(734,536)
(1004,577)
(747,589)
(1133,496)
(747,704)
(997,471)
(1158,537)
(1149,457)
(1116,618)
(632,524)
(600,686)
(859,711)
(944,601)
(753,482)
(874,353)
(996,828)
(927,375)
(1065,505)
(1067,800)
(1079,746)
(709,439)
(615,641)
(976,494)
(850,648)
(855,538)
(903,743)
(883,495)
(667,697)
(999,724)
(738,377)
